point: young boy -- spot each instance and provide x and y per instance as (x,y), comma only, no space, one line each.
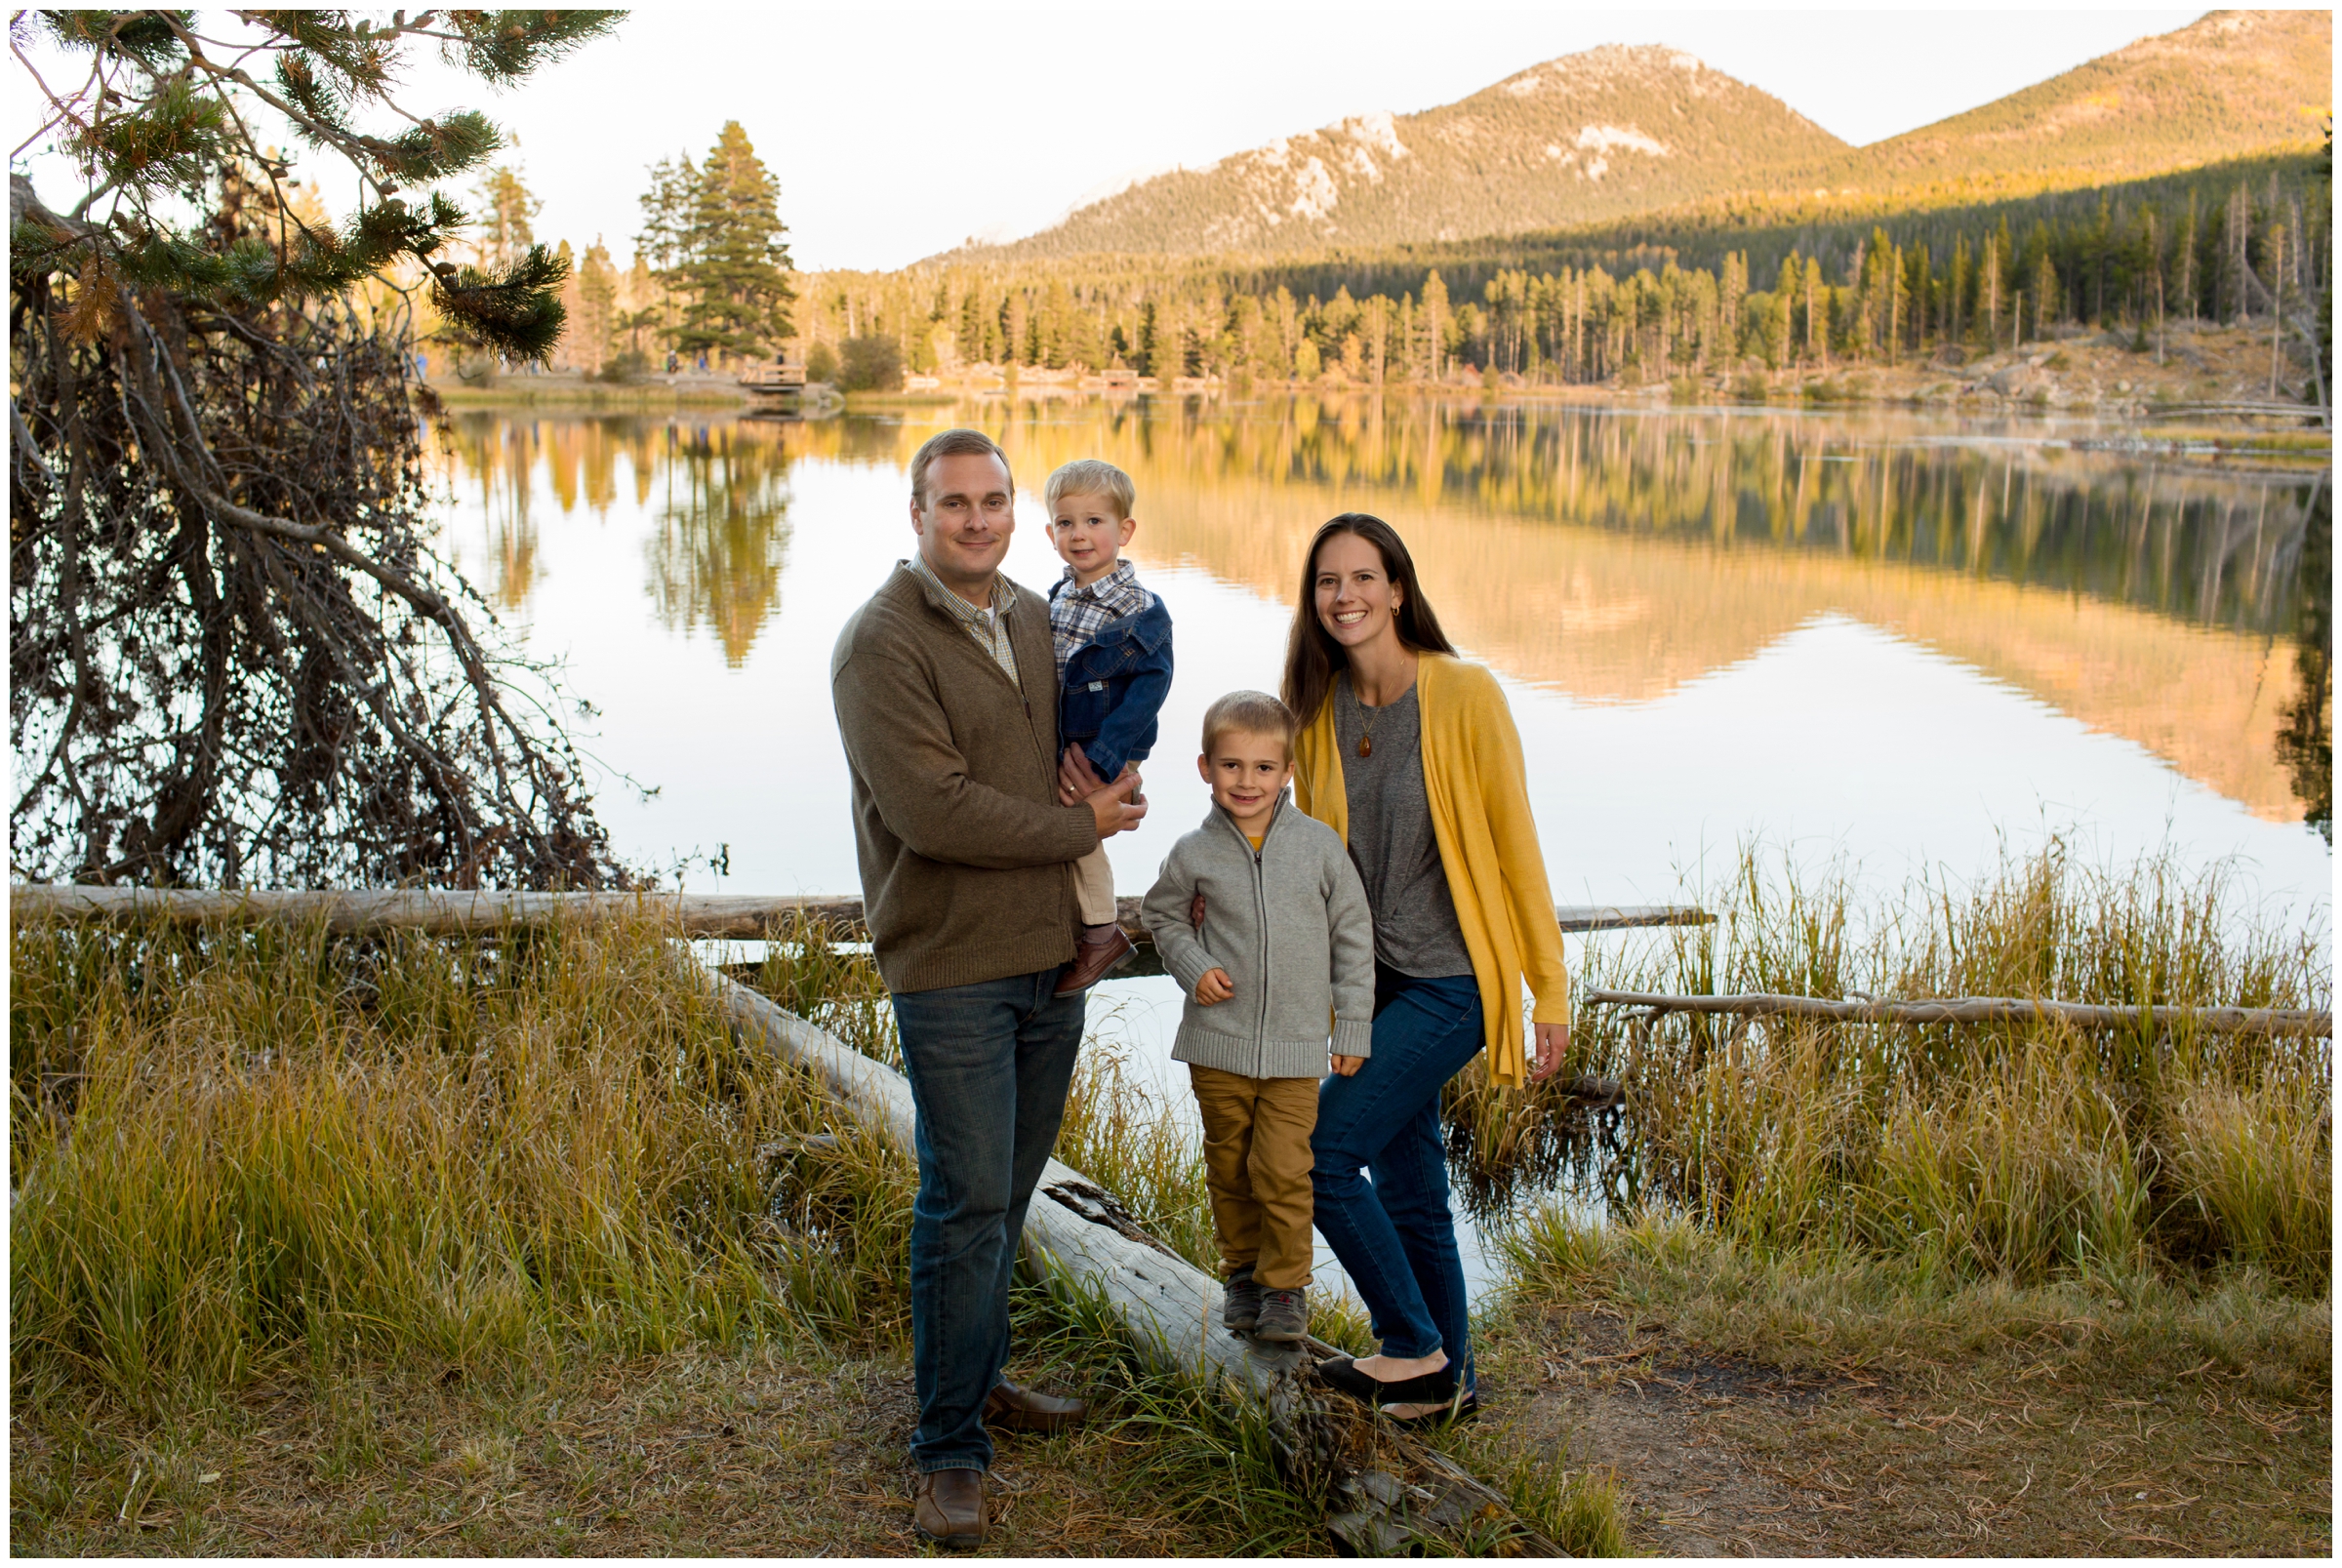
(1286,942)
(1113,671)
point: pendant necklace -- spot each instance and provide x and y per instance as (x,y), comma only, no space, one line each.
(1366,739)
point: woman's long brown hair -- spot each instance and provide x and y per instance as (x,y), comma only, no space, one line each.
(1313,659)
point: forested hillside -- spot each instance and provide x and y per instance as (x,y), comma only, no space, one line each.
(2238,242)
(1578,140)
(2231,85)
(1617,137)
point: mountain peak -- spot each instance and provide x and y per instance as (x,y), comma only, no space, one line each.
(1593,134)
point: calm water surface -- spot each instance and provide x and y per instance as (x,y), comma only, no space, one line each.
(1868,636)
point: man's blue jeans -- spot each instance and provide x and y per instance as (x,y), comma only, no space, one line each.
(1394,1236)
(989,1067)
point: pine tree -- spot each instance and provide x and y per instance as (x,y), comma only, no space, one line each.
(239,655)
(1148,358)
(737,266)
(1434,326)
(664,240)
(505,207)
(595,330)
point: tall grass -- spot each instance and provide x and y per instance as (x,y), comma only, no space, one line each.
(236,1147)
(2008,1150)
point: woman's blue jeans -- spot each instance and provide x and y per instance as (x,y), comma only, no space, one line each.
(1394,1233)
(989,1065)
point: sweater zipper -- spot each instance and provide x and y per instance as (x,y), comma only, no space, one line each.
(1259,904)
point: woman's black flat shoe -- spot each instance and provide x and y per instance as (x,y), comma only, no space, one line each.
(1425,1389)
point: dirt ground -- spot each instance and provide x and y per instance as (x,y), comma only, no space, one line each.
(694,1454)
(1720,1456)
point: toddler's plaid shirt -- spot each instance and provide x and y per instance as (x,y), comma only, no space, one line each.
(1077,615)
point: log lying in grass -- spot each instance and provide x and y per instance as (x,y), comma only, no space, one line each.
(738,916)
(1983,1010)
(1080,1240)
(437,912)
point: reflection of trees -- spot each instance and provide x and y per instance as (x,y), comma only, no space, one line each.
(722,534)
(2305,744)
(501,456)
(1616,556)
(2209,549)
(498,456)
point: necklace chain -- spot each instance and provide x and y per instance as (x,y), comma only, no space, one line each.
(1373,717)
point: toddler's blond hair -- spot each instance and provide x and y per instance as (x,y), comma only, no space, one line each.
(1091,477)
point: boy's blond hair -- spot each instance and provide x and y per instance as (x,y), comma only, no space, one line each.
(1251,714)
(1091,477)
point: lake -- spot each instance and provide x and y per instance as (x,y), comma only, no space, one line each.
(1866,636)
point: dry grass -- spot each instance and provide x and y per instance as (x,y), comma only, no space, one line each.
(1841,1404)
(420,1247)
(417,1246)
(2016,1152)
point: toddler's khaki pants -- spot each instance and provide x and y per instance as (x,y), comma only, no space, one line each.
(1255,1165)
(1094,888)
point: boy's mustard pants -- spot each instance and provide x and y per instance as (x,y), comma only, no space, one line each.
(1256,1163)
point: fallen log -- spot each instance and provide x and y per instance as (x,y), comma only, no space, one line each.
(1386,1492)
(1980,1010)
(740,916)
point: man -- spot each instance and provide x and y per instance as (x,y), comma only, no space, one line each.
(946,687)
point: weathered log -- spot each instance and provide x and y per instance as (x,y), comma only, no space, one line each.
(1982,1010)
(1080,1239)
(745,916)
(441,913)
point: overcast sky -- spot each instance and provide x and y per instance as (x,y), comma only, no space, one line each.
(899,133)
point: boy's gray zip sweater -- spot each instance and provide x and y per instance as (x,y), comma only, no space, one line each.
(1291,927)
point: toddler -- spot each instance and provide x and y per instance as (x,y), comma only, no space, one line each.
(1285,943)
(1113,671)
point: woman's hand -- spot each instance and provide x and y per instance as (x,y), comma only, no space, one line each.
(1348,1066)
(1214,988)
(1076,779)
(1551,1045)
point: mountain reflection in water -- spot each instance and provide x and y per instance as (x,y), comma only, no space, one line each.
(1613,556)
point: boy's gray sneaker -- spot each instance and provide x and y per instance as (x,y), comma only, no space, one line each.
(1243,1308)
(1284,1317)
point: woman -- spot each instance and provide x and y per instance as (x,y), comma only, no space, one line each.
(1410,753)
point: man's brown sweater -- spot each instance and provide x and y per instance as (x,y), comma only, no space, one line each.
(966,853)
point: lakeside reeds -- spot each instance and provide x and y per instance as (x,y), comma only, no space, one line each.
(2011,1150)
(236,1148)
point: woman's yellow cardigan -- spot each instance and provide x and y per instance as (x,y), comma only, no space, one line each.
(1478,788)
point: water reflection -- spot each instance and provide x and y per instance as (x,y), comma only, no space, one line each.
(2306,743)
(721,536)
(1613,556)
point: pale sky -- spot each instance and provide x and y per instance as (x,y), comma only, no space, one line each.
(897,132)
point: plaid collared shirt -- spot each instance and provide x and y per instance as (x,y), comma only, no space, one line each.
(990,627)
(1077,615)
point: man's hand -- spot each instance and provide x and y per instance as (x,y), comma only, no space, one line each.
(1113,805)
(1214,988)
(1348,1066)
(1196,913)
(1551,1045)
(1076,779)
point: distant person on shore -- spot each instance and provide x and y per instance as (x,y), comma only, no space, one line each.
(1285,946)
(944,684)
(1113,671)
(1411,755)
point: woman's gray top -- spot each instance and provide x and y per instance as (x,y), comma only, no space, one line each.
(1391,840)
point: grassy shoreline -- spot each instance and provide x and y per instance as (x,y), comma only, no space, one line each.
(420,1246)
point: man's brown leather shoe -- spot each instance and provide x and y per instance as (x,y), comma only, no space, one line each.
(1093,956)
(1010,1408)
(950,1511)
